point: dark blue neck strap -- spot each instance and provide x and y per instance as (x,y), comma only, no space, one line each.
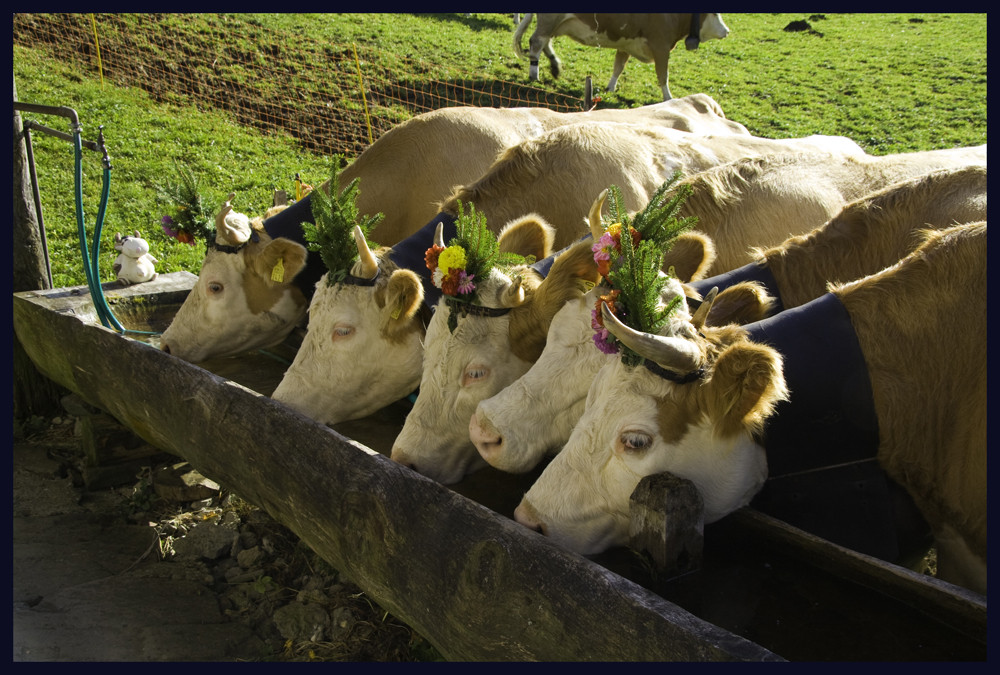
(752,272)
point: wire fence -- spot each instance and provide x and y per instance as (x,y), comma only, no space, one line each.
(332,98)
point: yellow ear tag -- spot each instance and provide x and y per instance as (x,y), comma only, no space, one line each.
(588,284)
(670,271)
(278,273)
(395,312)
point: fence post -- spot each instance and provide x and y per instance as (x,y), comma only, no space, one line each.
(34,394)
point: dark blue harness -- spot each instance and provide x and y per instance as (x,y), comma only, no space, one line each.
(752,272)
(823,476)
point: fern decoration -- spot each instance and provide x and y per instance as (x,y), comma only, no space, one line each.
(335,215)
(632,264)
(191,218)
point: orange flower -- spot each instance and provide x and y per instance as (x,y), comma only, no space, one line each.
(431,256)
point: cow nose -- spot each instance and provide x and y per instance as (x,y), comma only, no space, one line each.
(401,457)
(525,515)
(484,436)
(165,347)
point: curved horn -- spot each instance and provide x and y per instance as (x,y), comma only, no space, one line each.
(512,295)
(367,265)
(670,352)
(439,235)
(596,226)
(220,217)
(701,314)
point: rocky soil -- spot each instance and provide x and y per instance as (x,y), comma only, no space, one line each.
(298,607)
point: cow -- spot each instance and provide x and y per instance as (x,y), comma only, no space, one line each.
(761,201)
(235,308)
(364,346)
(486,350)
(591,156)
(535,171)
(883,376)
(647,37)
(866,236)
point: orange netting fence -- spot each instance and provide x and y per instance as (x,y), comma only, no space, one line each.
(332,98)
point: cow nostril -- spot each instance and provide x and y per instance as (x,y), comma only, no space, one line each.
(165,347)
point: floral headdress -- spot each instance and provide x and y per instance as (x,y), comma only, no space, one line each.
(191,219)
(467,259)
(631,265)
(332,235)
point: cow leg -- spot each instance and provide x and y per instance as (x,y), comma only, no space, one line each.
(555,65)
(663,75)
(621,58)
(536,45)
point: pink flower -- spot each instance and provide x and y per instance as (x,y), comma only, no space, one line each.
(166,222)
(465,284)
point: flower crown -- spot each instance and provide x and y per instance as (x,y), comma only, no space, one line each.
(470,255)
(191,219)
(631,265)
(332,234)
(468,258)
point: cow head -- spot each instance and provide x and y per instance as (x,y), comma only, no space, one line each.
(708,26)
(637,422)
(363,348)
(515,437)
(489,349)
(244,298)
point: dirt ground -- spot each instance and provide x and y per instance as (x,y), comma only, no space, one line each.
(170,567)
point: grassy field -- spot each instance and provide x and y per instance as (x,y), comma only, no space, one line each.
(891,82)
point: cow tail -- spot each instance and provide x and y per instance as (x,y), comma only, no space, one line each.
(519,33)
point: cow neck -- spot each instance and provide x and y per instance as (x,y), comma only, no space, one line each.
(822,443)
(830,408)
(409,254)
(222,248)
(755,271)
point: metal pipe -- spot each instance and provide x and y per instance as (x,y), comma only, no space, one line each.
(38,201)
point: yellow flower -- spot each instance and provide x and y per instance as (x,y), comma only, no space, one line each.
(452,257)
(615,230)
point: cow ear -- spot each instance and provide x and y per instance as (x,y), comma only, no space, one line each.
(741,303)
(747,382)
(403,296)
(691,256)
(280,260)
(530,235)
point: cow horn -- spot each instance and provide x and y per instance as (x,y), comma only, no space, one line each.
(220,217)
(439,235)
(701,314)
(512,295)
(596,225)
(367,265)
(669,352)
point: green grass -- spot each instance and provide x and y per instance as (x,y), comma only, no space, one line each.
(891,82)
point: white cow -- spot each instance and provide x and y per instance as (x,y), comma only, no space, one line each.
(866,236)
(914,388)
(237,306)
(647,37)
(588,157)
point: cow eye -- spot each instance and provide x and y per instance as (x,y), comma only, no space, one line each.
(214,288)
(635,441)
(474,374)
(341,332)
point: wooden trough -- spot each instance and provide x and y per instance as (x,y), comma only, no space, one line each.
(449,561)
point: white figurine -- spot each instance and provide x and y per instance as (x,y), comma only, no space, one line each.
(133,265)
